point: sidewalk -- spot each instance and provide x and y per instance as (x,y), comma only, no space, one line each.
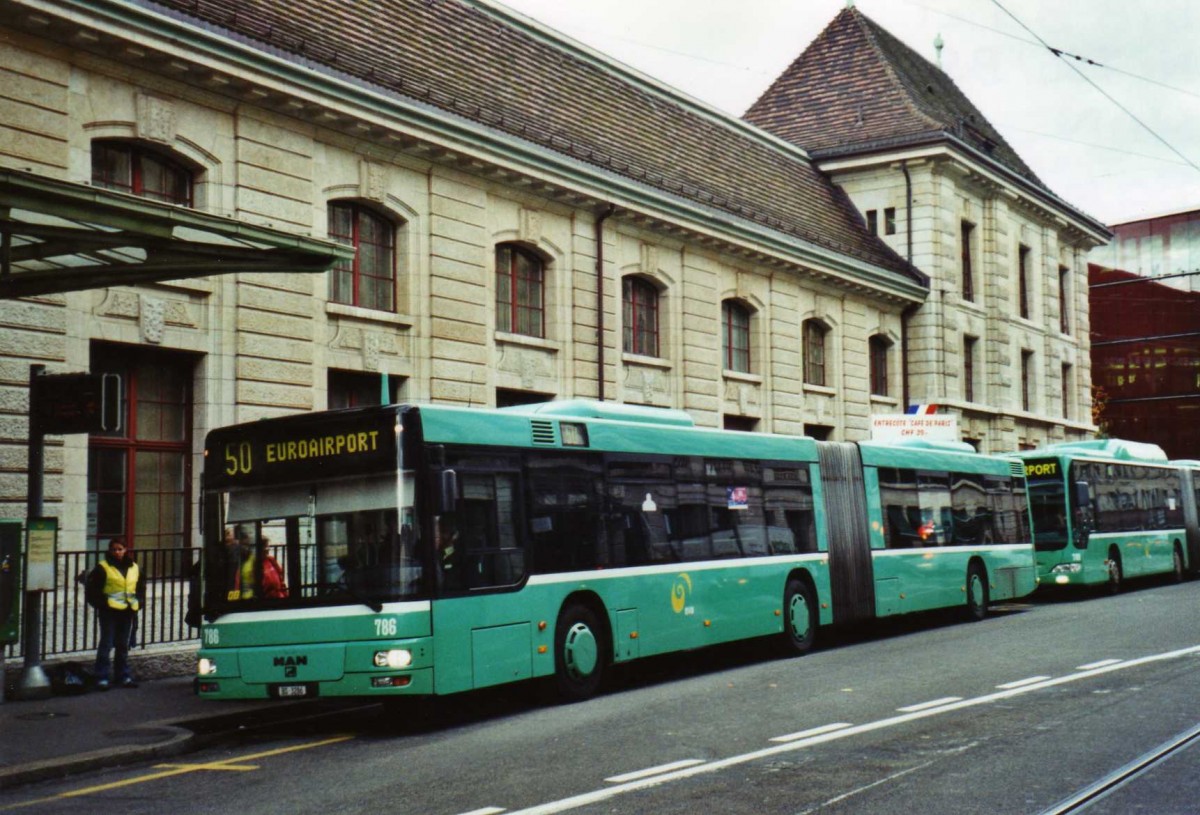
(61,735)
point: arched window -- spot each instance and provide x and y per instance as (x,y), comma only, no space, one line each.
(879,348)
(814,352)
(639,300)
(130,167)
(369,280)
(520,291)
(735,336)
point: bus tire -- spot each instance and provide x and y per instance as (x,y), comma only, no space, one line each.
(977,592)
(799,617)
(1116,577)
(579,653)
(1177,571)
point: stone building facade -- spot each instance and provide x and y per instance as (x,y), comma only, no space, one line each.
(532,221)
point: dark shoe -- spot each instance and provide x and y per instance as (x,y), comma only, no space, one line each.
(128,683)
(102,684)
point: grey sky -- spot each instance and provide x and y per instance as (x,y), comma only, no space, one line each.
(1082,145)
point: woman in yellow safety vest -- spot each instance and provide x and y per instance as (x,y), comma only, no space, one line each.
(115,591)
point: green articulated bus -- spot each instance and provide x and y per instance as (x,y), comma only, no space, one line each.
(1106,510)
(412,550)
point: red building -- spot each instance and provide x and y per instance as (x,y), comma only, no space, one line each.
(1146,333)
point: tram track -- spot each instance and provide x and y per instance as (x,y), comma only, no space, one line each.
(1095,792)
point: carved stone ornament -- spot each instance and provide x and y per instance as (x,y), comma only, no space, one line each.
(370,351)
(371,181)
(152,319)
(155,119)
(531,225)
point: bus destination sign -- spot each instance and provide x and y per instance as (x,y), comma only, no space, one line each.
(250,455)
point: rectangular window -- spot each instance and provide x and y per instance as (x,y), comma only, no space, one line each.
(1027,381)
(814,353)
(889,221)
(873,222)
(1067,386)
(140,474)
(354,389)
(1064,311)
(879,366)
(1023,280)
(968,273)
(969,344)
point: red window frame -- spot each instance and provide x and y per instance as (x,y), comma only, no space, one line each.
(131,168)
(520,291)
(735,339)
(639,299)
(369,280)
(156,423)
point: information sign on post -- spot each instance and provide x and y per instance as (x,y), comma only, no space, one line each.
(41,548)
(76,403)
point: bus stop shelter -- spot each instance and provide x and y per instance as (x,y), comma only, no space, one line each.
(58,236)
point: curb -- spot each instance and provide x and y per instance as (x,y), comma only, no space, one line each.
(176,742)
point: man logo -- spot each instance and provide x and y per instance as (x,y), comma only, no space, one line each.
(289,665)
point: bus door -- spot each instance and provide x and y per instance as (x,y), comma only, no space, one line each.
(851,575)
(1190,483)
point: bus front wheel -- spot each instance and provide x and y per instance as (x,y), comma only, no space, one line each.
(799,617)
(977,593)
(579,656)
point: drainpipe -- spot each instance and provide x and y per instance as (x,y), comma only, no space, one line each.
(910,310)
(907,207)
(600,219)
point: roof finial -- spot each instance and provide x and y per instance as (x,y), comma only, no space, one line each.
(937,46)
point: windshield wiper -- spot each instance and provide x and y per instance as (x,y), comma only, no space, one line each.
(374,605)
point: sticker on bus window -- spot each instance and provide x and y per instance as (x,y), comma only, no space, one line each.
(737,497)
(648,505)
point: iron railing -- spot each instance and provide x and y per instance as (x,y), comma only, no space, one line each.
(68,624)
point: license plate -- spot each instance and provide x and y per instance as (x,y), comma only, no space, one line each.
(292,691)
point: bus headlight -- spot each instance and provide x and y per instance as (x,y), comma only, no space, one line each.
(395,658)
(206,666)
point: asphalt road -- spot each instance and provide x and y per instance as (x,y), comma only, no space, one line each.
(927,715)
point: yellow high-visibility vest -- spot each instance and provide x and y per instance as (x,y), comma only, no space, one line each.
(121,589)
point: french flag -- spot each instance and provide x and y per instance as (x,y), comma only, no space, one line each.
(921,410)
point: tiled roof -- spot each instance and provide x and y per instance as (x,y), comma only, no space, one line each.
(857,86)
(475,63)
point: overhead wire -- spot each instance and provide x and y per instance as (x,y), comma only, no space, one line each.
(1059,53)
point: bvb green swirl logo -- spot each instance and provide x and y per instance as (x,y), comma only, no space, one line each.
(680,590)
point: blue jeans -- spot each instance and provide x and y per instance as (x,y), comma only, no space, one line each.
(114,633)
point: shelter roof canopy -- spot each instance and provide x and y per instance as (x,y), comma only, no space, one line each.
(57,236)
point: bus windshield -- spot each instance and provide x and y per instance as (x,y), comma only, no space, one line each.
(1048,506)
(351,540)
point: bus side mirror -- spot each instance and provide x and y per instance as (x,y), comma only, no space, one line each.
(1083,495)
(447,491)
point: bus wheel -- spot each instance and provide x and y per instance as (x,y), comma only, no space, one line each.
(977,593)
(1177,572)
(578,653)
(1115,577)
(799,617)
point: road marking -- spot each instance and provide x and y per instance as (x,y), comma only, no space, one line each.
(1020,683)
(873,784)
(485,811)
(1104,663)
(607,793)
(816,731)
(932,704)
(649,771)
(170,770)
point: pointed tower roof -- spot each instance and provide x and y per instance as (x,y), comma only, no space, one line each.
(857,88)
